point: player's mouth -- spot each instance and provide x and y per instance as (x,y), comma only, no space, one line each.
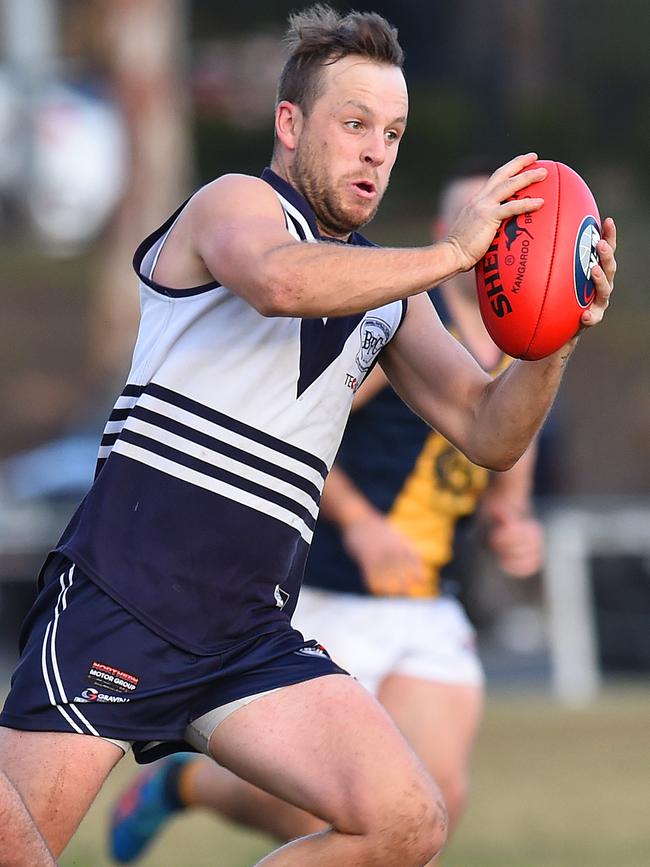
(364,189)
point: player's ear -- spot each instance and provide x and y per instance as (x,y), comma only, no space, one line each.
(288,123)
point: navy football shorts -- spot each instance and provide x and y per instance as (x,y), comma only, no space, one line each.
(88,666)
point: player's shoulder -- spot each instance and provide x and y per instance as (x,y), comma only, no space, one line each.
(236,194)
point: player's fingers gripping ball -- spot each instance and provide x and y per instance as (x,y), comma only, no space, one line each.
(534,283)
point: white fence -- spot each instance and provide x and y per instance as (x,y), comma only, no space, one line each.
(574,534)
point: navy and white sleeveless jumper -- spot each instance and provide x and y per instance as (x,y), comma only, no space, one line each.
(212,463)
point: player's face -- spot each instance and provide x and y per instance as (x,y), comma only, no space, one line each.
(457,196)
(349,142)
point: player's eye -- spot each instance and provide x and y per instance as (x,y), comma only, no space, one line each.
(354,124)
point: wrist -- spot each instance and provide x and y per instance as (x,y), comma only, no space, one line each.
(451,258)
(354,512)
(497,509)
(565,352)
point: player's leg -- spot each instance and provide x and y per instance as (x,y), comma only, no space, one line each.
(57,775)
(440,721)
(421,708)
(208,784)
(50,744)
(188,781)
(21,845)
(326,746)
(358,630)
(435,692)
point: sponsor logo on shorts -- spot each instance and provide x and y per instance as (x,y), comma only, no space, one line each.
(112,678)
(281,596)
(93,695)
(314,650)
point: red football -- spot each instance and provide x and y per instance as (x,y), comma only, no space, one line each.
(534,282)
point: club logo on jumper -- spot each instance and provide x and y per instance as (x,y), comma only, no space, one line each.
(92,695)
(314,650)
(375,334)
(112,678)
(584,258)
(281,596)
(513,230)
(453,472)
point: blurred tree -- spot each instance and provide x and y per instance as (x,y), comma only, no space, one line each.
(145,43)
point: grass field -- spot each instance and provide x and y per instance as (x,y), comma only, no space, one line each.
(552,788)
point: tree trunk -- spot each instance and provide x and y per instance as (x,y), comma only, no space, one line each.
(146,42)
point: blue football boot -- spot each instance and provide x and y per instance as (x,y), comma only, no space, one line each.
(145,807)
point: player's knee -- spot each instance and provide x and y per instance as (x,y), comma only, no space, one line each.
(425,831)
(410,830)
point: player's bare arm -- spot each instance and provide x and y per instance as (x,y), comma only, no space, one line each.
(508,524)
(507,520)
(492,421)
(388,562)
(233,231)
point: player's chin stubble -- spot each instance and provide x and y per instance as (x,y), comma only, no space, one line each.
(310,177)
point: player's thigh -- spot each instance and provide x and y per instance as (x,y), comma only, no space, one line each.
(440,720)
(328,747)
(58,775)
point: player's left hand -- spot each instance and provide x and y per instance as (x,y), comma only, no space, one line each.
(602,275)
(515,537)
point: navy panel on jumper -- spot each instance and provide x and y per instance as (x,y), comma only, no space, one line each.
(177,517)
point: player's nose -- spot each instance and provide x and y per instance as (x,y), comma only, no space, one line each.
(374,149)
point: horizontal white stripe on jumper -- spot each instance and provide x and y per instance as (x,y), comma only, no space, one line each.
(238,440)
(202,480)
(126,401)
(113,427)
(215,458)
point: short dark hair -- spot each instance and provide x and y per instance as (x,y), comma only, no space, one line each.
(473,165)
(319,35)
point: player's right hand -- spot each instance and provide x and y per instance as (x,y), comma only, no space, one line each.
(477,224)
(515,536)
(388,562)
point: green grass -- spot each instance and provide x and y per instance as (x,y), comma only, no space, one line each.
(552,788)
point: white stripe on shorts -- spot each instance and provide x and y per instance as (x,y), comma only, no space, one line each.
(49,647)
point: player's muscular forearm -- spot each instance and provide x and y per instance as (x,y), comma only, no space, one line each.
(311,280)
(324,279)
(237,231)
(514,406)
(492,421)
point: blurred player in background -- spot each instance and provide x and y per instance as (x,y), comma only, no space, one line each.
(21,845)
(375,586)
